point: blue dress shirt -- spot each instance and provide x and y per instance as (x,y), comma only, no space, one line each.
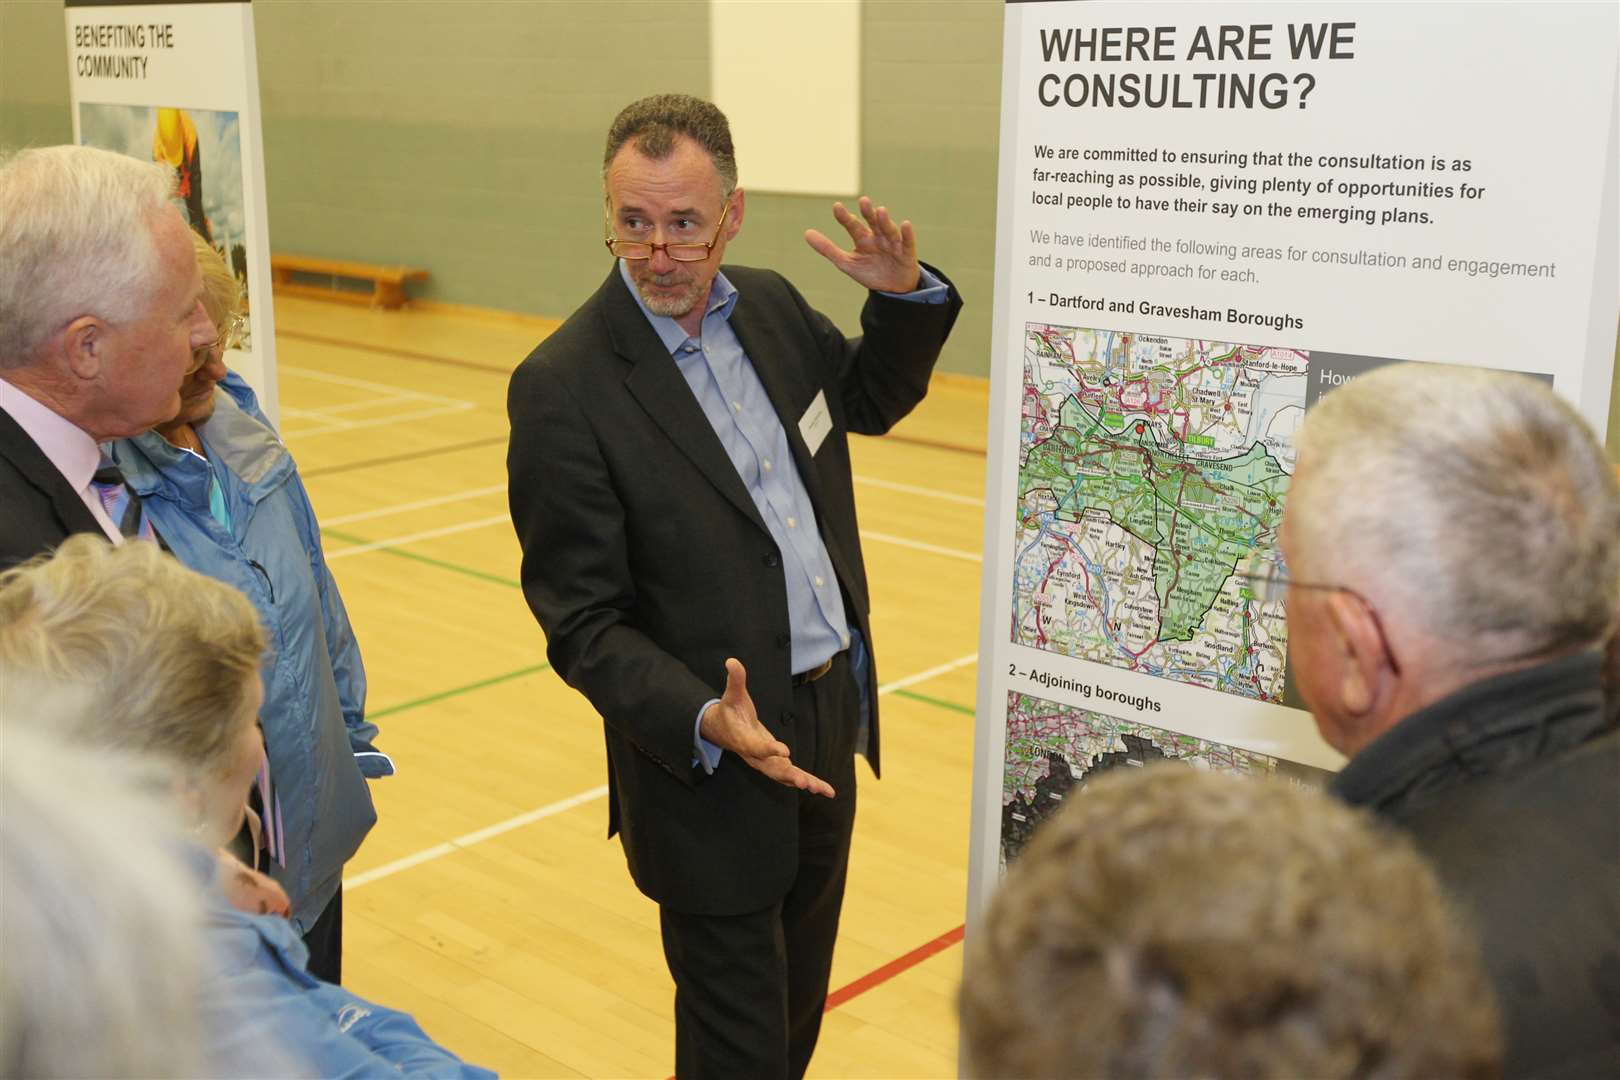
(728,390)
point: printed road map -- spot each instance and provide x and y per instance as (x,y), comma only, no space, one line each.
(1149,468)
(1054,749)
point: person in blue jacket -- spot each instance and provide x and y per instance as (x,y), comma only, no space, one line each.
(223,494)
(123,649)
(258,994)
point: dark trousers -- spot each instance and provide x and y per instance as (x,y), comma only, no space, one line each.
(325,941)
(750,989)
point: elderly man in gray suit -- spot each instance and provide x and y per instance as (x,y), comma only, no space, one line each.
(101,317)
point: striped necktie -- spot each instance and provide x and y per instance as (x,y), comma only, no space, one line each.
(122,504)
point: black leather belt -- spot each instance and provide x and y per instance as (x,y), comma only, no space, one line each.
(804,678)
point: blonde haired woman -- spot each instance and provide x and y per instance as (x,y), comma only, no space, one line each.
(122,648)
(224,493)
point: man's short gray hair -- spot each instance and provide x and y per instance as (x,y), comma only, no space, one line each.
(1176,922)
(122,647)
(1477,504)
(75,239)
(656,122)
(100,939)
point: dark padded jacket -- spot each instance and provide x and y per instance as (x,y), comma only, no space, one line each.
(1511,787)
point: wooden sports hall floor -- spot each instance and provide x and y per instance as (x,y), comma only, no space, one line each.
(488,901)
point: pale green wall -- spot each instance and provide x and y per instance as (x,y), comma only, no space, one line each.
(464,136)
(33,74)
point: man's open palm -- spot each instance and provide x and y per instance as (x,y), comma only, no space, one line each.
(732,724)
(884,257)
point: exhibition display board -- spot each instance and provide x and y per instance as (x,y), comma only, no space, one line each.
(178,83)
(1208,217)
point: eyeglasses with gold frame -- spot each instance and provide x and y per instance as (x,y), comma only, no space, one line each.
(636,250)
(231,337)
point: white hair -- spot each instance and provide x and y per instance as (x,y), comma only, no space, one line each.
(1478,504)
(76,239)
(100,956)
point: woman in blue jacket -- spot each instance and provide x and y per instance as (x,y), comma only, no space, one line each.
(121,649)
(224,494)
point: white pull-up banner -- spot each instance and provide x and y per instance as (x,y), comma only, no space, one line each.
(1209,216)
(178,83)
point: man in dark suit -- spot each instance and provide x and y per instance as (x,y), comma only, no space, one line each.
(100,315)
(680,483)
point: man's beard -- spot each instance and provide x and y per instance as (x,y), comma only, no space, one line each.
(672,305)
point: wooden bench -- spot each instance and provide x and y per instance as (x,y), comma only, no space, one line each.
(388,282)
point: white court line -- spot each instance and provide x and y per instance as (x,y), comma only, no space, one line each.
(419,504)
(439,851)
(362,384)
(913,489)
(478,493)
(467,526)
(924,676)
(918,545)
(429,534)
(368,403)
(354,425)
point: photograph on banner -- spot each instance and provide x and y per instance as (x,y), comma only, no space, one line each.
(204,148)
(1053,750)
(178,85)
(1207,221)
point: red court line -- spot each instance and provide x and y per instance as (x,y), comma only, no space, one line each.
(881,975)
(892,968)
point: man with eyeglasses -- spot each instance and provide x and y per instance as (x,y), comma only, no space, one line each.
(100,319)
(1454,535)
(680,482)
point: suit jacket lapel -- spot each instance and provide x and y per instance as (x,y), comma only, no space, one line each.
(657,385)
(770,349)
(38,470)
(762,339)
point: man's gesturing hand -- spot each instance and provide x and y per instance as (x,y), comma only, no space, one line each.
(732,724)
(885,255)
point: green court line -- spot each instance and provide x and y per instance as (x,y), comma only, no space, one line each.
(458,691)
(537,668)
(926,700)
(350,538)
(457,568)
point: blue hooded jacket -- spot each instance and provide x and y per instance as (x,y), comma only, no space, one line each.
(316,735)
(264,1014)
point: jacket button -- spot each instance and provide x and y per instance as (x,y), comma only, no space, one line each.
(783,640)
(773,560)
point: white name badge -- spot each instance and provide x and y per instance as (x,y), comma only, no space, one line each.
(816,422)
